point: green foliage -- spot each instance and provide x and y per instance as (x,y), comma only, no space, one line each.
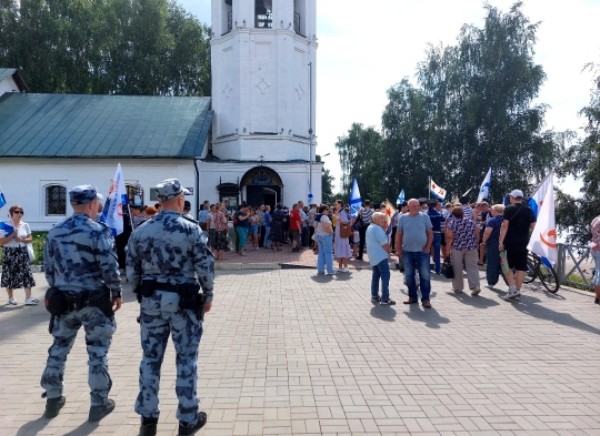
(582,161)
(39,239)
(135,47)
(472,109)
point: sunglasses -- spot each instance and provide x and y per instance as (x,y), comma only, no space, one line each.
(19,211)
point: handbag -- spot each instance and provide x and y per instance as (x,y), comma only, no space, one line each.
(447,269)
(345,230)
(30,252)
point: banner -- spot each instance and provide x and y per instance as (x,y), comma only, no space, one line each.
(112,214)
(355,200)
(543,238)
(2,200)
(401,197)
(484,191)
(536,200)
(436,190)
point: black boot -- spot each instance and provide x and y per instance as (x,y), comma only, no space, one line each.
(99,412)
(187,430)
(53,406)
(148,427)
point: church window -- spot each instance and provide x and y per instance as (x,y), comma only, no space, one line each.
(227,17)
(264,14)
(56,200)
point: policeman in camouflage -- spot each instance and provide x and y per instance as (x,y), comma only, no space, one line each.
(168,261)
(85,290)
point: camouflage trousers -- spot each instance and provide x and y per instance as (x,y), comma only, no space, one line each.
(160,318)
(99,330)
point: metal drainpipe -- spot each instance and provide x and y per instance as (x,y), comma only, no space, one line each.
(197,188)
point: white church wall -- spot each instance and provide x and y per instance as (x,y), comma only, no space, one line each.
(24,180)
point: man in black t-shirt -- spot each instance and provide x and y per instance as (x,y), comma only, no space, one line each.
(517,222)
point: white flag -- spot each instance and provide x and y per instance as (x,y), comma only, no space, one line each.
(436,190)
(543,239)
(537,199)
(484,191)
(112,214)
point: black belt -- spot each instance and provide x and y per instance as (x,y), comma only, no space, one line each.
(168,287)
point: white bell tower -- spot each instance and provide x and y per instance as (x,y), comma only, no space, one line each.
(263,79)
(262,150)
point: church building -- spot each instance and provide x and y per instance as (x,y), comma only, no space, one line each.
(252,141)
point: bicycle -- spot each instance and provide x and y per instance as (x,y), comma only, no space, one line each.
(541,268)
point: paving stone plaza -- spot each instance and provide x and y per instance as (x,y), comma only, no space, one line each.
(287,352)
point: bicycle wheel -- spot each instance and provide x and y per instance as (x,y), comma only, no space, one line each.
(549,278)
(532,265)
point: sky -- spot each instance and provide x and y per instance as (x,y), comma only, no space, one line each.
(367,47)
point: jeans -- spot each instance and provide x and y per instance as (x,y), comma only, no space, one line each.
(436,247)
(268,242)
(381,271)
(325,259)
(492,272)
(414,260)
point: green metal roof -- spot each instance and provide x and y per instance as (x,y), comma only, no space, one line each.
(106,126)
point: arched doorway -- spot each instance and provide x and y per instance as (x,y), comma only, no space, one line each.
(263,185)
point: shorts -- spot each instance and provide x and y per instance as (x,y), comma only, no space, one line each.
(295,235)
(517,257)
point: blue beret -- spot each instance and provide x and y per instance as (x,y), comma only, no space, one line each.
(83,194)
(169,188)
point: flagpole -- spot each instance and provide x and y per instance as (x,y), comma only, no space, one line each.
(429,189)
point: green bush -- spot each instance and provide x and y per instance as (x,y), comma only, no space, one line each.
(39,239)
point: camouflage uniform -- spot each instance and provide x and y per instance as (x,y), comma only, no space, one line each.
(80,256)
(171,249)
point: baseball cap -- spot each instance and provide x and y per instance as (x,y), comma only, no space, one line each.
(83,194)
(169,188)
(516,193)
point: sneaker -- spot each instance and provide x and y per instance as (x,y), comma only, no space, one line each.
(186,430)
(375,300)
(475,292)
(512,294)
(12,301)
(148,427)
(388,302)
(334,272)
(99,412)
(344,270)
(457,291)
(53,406)
(31,301)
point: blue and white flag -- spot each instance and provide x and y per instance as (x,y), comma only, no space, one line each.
(2,200)
(5,229)
(355,200)
(112,214)
(401,197)
(484,191)
(536,200)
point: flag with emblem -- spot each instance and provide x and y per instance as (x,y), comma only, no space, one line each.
(401,197)
(436,191)
(112,214)
(543,238)
(484,191)
(389,211)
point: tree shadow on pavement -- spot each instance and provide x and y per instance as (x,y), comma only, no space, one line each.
(430,317)
(528,305)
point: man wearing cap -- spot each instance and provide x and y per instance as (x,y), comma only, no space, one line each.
(80,263)
(517,222)
(168,262)
(436,222)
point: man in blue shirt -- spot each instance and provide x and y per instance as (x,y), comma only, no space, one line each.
(379,249)
(413,243)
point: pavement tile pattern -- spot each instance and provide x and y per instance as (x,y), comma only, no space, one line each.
(287,352)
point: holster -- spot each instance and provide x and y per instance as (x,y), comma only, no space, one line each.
(59,302)
(56,301)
